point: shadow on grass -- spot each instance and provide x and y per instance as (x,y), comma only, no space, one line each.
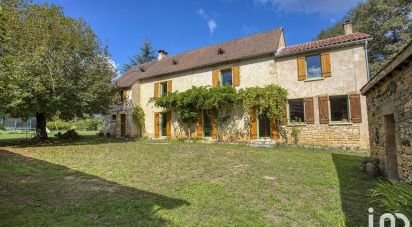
(38,193)
(354,186)
(53,141)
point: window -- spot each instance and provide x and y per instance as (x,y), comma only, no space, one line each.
(226,77)
(339,108)
(163,124)
(313,66)
(264,126)
(121,96)
(113,117)
(296,111)
(207,123)
(163,89)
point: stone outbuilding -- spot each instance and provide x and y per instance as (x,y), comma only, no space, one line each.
(389,103)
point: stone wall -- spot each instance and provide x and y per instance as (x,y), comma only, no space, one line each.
(393,95)
(342,136)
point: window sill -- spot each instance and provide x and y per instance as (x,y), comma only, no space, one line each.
(314,79)
(340,123)
(295,125)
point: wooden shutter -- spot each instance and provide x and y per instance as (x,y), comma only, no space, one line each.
(355,108)
(213,119)
(274,134)
(309,113)
(253,124)
(325,61)
(301,68)
(323,109)
(156,125)
(169,125)
(124,95)
(215,78)
(235,75)
(199,125)
(156,89)
(169,86)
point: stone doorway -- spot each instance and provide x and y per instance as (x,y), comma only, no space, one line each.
(390,147)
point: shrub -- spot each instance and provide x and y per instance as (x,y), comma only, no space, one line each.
(138,118)
(295,134)
(393,197)
(2,128)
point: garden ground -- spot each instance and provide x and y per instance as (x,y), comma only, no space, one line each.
(97,181)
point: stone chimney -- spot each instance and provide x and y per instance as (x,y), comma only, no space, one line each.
(347,26)
(161,54)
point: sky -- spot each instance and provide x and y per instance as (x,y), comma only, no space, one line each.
(180,25)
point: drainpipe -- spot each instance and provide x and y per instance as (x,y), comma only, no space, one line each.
(366,60)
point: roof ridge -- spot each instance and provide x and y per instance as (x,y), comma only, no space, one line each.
(225,42)
(321,40)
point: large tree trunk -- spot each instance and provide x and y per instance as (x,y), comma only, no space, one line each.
(41,132)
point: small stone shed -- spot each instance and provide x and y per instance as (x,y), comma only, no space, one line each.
(389,101)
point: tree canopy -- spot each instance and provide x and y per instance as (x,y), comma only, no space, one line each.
(388,21)
(51,65)
(147,54)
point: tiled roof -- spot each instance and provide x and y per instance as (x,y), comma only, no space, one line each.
(250,46)
(323,43)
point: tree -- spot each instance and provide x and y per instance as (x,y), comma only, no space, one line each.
(147,54)
(388,21)
(51,65)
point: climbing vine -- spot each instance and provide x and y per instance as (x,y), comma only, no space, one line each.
(271,99)
(138,117)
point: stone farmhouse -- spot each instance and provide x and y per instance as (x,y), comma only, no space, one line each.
(389,96)
(323,79)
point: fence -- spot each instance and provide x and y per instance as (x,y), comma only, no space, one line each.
(18,123)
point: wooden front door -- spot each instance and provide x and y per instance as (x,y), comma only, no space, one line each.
(122,125)
(390,146)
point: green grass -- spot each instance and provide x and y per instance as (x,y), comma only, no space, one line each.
(26,135)
(114,182)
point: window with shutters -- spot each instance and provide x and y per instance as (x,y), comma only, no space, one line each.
(207,123)
(163,124)
(226,77)
(264,125)
(313,67)
(339,108)
(296,111)
(163,88)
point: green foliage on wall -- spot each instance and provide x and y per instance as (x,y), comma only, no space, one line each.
(138,117)
(271,98)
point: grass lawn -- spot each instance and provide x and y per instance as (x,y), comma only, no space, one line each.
(26,135)
(113,182)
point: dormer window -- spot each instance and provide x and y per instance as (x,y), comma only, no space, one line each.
(220,51)
(141,69)
(174,62)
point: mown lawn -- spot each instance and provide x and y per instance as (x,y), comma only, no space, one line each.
(180,184)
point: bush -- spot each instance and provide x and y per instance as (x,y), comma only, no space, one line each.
(138,118)
(2,128)
(393,197)
(295,134)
